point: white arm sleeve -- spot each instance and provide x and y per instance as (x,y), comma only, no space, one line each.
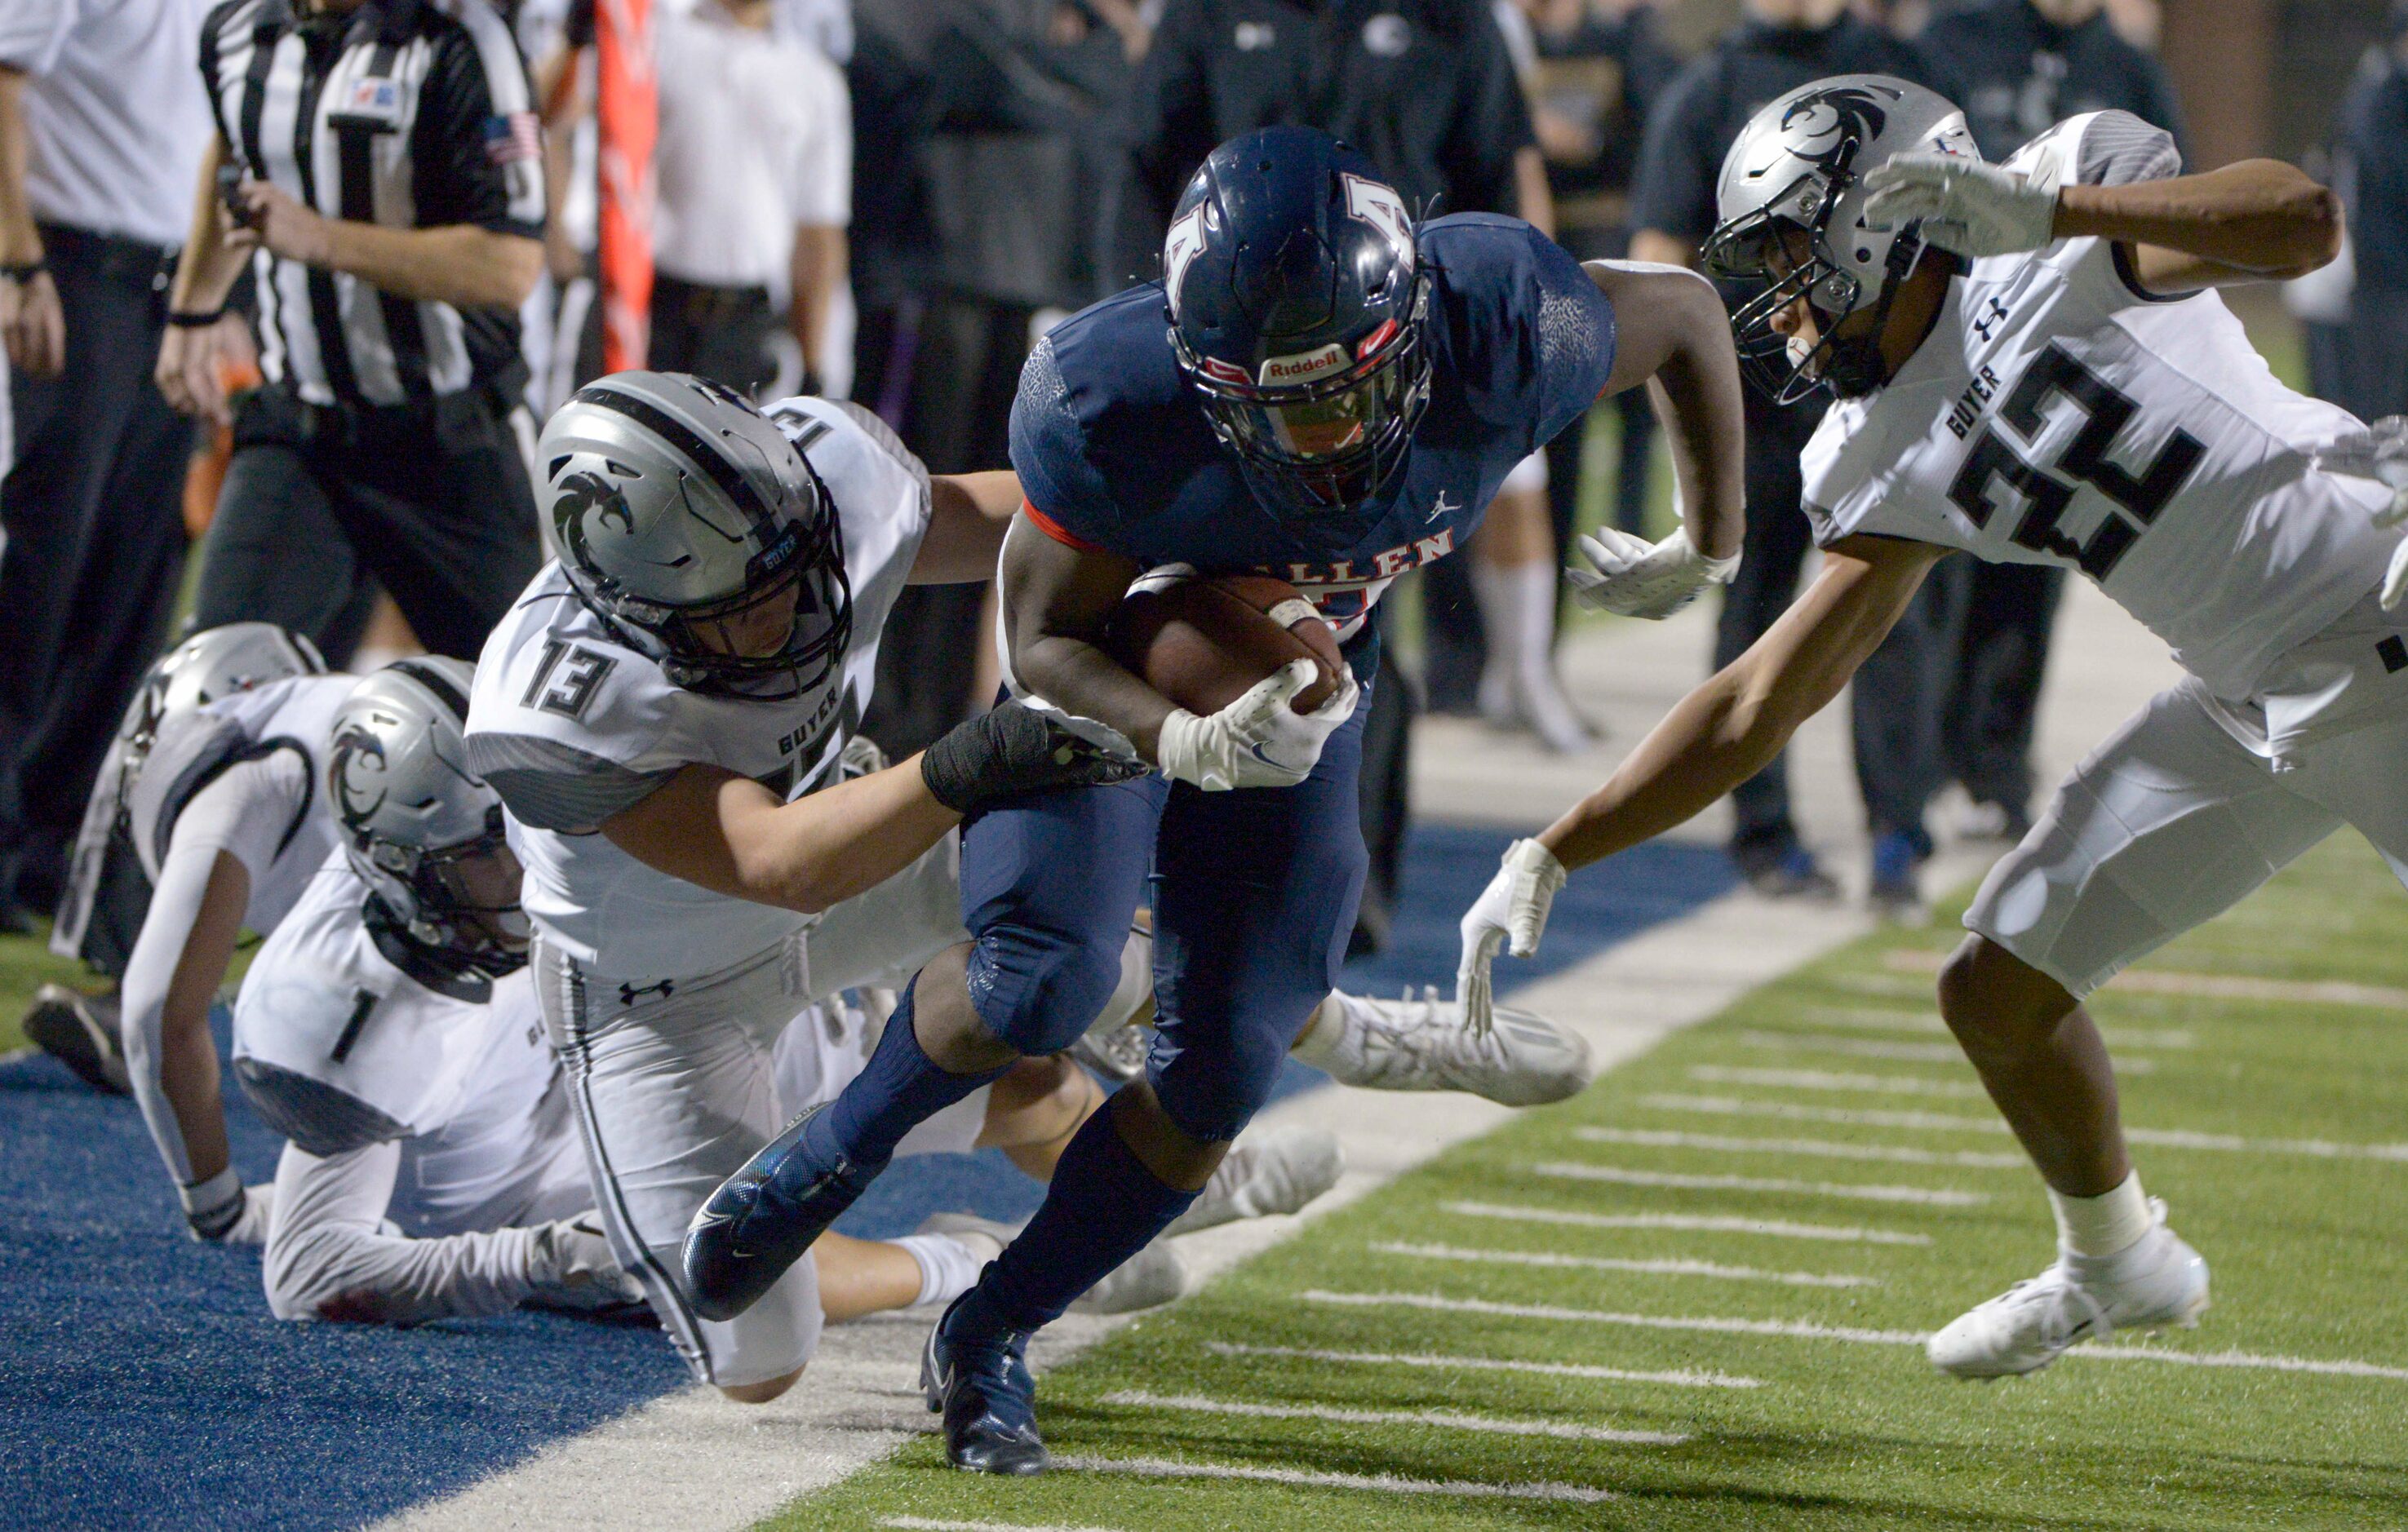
(244,812)
(330,1254)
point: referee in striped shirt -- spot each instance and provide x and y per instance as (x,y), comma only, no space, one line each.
(377,164)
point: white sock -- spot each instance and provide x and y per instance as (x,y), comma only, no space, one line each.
(1497,589)
(2095,1227)
(949,1264)
(1534,610)
(1322,1044)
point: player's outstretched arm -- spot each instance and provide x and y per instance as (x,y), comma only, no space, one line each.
(1714,739)
(967,516)
(733,836)
(2253,222)
(1673,338)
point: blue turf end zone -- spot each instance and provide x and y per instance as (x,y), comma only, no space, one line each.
(142,1382)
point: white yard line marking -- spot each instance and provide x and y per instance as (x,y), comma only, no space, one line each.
(1677,1379)
(1617,1175)
(1804,1330)
(1826,1149)
(1826,1080)
(1453,1420)
(1729,1105)
(1906,1053)
(1674,1268)
(1871,1018)
(929,1524)
(1770,1228)
(2218,986)
(1384,1483)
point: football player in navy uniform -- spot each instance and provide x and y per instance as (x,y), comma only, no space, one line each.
(1321,390)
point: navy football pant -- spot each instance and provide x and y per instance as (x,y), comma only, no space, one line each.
(1254,897)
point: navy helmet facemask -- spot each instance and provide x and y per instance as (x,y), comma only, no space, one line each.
(1298,308)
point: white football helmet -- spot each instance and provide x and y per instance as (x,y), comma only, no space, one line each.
(680,511)
(206,667)
(1798,168)
(412,815)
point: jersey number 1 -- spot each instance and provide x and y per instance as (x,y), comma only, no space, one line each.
(2105,412)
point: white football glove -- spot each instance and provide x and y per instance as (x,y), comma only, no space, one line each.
(1510,913)
(221,1210)
(1258,740)
(570,1266)
(1966,205)
(1636,578)
(2380,454)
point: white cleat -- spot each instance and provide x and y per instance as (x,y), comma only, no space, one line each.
(2160,1282)
(1423,1045)
(1265,1173)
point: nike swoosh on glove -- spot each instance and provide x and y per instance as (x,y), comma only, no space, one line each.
(1510,913)
(1258,740)
(1966,205)
(2380,452)
(1635,578)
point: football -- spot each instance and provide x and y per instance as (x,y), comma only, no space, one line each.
(1201,642)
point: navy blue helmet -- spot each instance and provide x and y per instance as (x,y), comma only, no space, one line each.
(1296,307)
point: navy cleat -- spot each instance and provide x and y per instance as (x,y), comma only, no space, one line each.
(764,1217)
(980,1382)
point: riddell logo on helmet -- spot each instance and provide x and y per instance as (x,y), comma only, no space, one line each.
(1304,367)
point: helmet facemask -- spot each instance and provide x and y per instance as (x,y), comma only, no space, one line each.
(460,901)
(1330,439)
(737,646)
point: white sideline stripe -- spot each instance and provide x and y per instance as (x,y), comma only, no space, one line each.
(1670,1267)
(1383,1484)
(2220,986)
(1680,1378)
(929,1524)
(1876,1019)
(1828,1149)
(1805,1330)
(1696,1223)
(1732,1106)
(1826,1080)
(1138,1399)
(1905,1052)
(1617,1174)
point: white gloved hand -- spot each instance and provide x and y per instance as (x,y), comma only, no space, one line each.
(570,1266)
(1966,205)
(1636,578)
(221,1210)
(1258,740)
(1510,913)
(2380,454)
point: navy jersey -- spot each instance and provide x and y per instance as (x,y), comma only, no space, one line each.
(1114,452)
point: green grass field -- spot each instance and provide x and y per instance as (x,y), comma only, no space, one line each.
(26,966)
(1600,1374)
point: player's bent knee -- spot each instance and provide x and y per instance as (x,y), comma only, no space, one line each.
(1212,1094)
(762,1392)
(1991,998)
(1038,992)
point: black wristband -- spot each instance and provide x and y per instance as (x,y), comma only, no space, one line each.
(24,271)
(184,321)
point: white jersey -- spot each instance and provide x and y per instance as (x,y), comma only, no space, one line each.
(245,774)
(570,725)
(344,1038)
(2061,414)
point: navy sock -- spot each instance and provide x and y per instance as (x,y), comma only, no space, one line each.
(896,1092)
(1103,1207)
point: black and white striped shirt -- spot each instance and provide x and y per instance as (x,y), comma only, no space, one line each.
(404,113)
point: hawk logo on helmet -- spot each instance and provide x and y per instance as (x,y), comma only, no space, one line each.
(356,766)
(1821,127)
(587,491)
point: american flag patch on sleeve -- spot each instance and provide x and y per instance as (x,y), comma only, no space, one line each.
(511,138)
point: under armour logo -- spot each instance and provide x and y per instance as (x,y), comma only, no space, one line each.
(627,993)
(1990,320)
(1442,507)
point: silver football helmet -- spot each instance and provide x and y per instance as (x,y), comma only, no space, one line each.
(423,832)
(685,517)
(1791,202)
(208,665)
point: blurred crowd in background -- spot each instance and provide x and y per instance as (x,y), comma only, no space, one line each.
(892,201)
